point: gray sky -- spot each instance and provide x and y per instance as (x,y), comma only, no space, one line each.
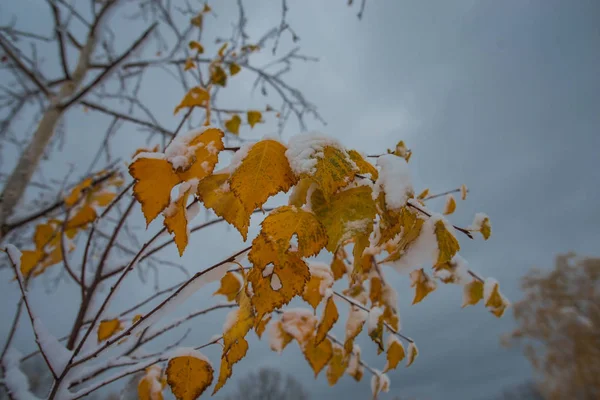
(503,96)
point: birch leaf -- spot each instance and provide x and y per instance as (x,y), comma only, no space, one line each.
(329,318)
(395,353)
(450,205)
(233,124)
(254,117)
(422,283)
(337,365)
(189,376)
(195,97)
(108,328)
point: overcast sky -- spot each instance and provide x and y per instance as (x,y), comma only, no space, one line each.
(503,96)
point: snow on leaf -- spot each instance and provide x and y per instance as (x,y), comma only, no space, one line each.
(355,368)
(450,205)
(412,353)
(337,365)
(195,97)
(375,327)
(354,325)
(55,352)
(323,160)
(299,192)
(215,193)
(189,376)
(176,220)
(329,318)
(108,328)
(318,356)
(494,300)
(151,385)
(264,172)
(422,283)
(472,293)
(364,167)
(254,117)
(319,285)
(84,215)
(481,223)
(233,124)
(230,286)
(196,154)
(347,213)
(395,353)
(154,179)
(394,181)
(278,337)
(379,383)
(447,243)
(286,221)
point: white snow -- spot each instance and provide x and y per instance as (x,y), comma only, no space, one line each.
(187,352)
(15,380)
(275,333)
(57,355)
(298,322)
(379,383)
(374,315)
(354,365)
(15,256)
(356,317)
(275,282)
(394,180)
(237,159)
(149,155)
(459,272)
(180,154)
(305,149)
(478,221)
(488,288)
(323,272)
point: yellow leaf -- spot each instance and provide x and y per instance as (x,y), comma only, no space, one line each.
(151,385)
(412,353)
(234,69)
(136,318)
(239,322)
(329,318)
(463,192)
(298,195)
(206,147)
(250,48)
(401,151)
(82,217)
(278,337)
(447,243)
(75,194)
(102,199)
(318,356)
(481,223)
(422,283)
(108,328)
(194,45)
(337,365)
(236,353)
(354,325)
(222,49)
(176,221)
(376,332)
(395,353)
(355,369)
(189,64)
(321,281)
(264,172)
(233,124)
(338,265)
(197,21)
(375,291)
(154,180)
(291,271)
(218,75)
(196,97)
(450,205)
(495,301)
(347,214)
(215,193)
(486,229)
(29,260)
(206,8)
(364,167)
(286,221)
(333,171)
(189,376)
(231,284)
(260,325)
(254,117)
(472,293)
(423,194)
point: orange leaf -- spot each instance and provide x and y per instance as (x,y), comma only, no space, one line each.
(337,365)
(329,318)
(231,284)
(195,97)
(189,376)
(176,220)
(318,356)
(108,328)
(395,353)
(422,283)
(202,155)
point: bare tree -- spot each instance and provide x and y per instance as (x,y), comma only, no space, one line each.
(559,323)
(269,384)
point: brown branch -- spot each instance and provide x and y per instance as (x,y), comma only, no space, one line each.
(22,67)
(463,230)
(60,38)
(13,329)
(433,196)
(63,249)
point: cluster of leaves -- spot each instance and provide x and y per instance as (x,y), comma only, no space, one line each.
(559,321)
(54,237)
(338,202)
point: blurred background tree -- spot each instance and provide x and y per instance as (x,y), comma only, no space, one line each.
(268,384)
(558,322)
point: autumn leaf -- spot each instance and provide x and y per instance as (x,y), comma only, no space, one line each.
(337,365)
(463,192)
(195,97)
(234,69)
(364,167)
(108,328)
(218,76)
(237,351)
(422,283)
(447,243)
(176,220)
(194,45)
(231,284)
(197,21)
(254,117)
(318,356)
(481,223)
(240,321)
(233,124)
(151,385)
(260,325)
(319,285)
(297,197)
(189,64)
(29,260)
(395,353)
(354,325)
(333,171)
(329,318)
(423,194)
(338,264)
(355,368)
(450,205)
(206,8)
(202,153)
(278,337)
(82,217)
(76,192)
(472,293)
(494,300)
(347,214)
(189,376)
(376,327)
(412,353)
(222,49)
(214,191)
(264,172)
